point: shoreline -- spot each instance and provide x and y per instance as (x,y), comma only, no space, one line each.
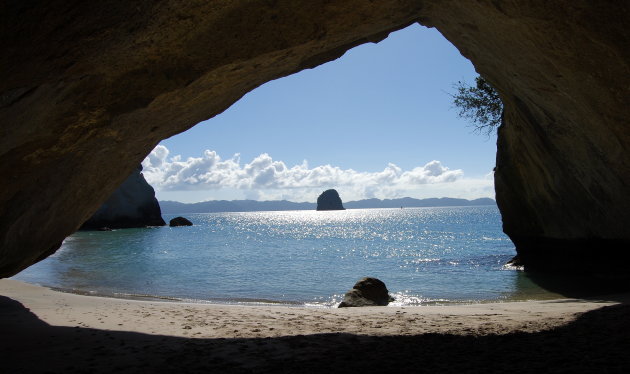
(281,303)
(39,300)
(175,299)
(73,329)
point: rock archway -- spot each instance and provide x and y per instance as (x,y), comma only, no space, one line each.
(88,89)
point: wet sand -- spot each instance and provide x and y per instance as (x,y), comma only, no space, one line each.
(46,331)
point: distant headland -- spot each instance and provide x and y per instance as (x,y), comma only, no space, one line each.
(174,207)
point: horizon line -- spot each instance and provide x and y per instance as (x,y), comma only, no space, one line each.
(347,202)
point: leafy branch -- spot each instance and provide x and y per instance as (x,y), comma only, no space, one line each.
(479,104)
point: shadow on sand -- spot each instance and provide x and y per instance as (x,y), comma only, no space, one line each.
(597,342)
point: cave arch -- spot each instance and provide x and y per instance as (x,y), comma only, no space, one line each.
(89,89)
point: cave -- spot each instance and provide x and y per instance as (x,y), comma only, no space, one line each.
(89,89)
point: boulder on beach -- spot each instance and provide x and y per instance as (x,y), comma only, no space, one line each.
(179,221)
(367,292)
(329,200)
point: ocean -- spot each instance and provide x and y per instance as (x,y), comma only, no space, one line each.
(425,256)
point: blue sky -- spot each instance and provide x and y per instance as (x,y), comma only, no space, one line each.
(377,122)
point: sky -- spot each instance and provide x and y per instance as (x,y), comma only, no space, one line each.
(377,122)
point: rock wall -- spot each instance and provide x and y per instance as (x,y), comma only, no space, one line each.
(87,89)
(133,204)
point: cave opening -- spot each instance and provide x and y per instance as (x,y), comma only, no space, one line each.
(560,177)
(381,108)
(378,123)
(90,89)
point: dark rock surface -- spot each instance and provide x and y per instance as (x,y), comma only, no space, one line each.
(87,89)
(367,292)
(179,221)
(133,204)
(329,200)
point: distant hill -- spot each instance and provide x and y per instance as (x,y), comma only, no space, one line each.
(408,202)
(174,207)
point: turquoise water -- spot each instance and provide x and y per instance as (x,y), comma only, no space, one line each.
(424,255)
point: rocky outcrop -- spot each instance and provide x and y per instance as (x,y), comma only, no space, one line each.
(367,292)
(87,89)
(329,200)
(179,221)
(133,204)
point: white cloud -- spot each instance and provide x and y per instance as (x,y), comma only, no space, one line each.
(266,178)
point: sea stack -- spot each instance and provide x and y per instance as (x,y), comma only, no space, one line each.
(329,200)
(133,204)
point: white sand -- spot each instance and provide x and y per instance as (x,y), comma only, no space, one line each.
(216,320)
(44,313)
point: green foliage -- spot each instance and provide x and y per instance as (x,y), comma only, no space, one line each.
(480,104)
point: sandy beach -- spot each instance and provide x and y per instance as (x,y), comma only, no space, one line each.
(46,331)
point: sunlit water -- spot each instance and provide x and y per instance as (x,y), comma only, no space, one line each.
(424,255)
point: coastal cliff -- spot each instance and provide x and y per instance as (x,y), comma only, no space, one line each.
(89,88)
(133,204)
